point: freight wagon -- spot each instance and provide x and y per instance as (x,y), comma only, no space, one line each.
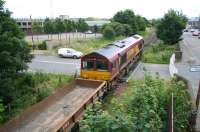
(99,72)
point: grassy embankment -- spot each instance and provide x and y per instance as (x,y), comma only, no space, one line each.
(89,45)
(158,53)
(86,45)
(32,88)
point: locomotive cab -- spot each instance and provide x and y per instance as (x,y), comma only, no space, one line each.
(112,60)
(95,66)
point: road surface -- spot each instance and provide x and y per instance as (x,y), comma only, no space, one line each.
(190,46)
(152,69)
(54,64)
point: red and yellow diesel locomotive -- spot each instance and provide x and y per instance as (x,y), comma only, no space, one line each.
(113,60)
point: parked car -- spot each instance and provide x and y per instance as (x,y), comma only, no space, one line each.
(192,30)
(185,30)
(68,52)
(195,33)
(88,32)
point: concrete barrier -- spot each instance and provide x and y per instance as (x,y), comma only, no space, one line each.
(172,68)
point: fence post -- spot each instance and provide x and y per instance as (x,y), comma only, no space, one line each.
(170,123)
(198,97)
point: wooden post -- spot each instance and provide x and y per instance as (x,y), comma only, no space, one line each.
(170,122)
(198,97)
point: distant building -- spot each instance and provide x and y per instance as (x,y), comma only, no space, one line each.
(194,22)
(98,23)
(64,17)
(25,23)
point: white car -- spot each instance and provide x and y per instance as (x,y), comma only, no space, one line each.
(88,32)
(195,33)
(68,52)
(192,30)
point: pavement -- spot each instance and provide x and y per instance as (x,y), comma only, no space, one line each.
(54,64)
(152,69)
(190,46)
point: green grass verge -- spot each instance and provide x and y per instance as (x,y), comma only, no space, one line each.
(158,53)
(88,45)
(32,88)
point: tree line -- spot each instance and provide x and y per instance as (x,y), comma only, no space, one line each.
(124,23)
(58,26)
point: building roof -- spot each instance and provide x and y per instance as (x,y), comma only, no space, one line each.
(97,22)
(194,19)
(118,47)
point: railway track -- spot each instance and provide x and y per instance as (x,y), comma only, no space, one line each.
(152,38)
(61,111)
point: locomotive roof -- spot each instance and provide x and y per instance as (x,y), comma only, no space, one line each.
(110,50)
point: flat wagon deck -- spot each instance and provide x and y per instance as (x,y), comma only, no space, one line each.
(59,111)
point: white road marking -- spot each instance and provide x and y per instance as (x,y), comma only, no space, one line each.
(56,62)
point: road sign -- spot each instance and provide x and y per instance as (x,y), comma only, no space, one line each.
(195,68)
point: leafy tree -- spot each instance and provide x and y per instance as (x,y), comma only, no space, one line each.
(91,19)
(59,27)
(37,28)
(74,26)
(127,30)
(170,27)
(148,24)
(141,23)
(68,25)
(82,26)
(155,22)
(14,54)
(108,32)
(48,26)
(127,17)
(118,28)
(1,111)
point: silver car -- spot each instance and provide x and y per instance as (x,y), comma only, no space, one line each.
(68,52)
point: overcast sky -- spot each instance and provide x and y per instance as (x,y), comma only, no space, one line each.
(99,8)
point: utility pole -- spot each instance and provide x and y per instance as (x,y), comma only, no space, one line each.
(32,33)
(51,9)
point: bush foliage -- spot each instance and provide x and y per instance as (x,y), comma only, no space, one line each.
(42,46)
(108,32)
(143,107)
(31,88)
(126,23)
(169,28)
